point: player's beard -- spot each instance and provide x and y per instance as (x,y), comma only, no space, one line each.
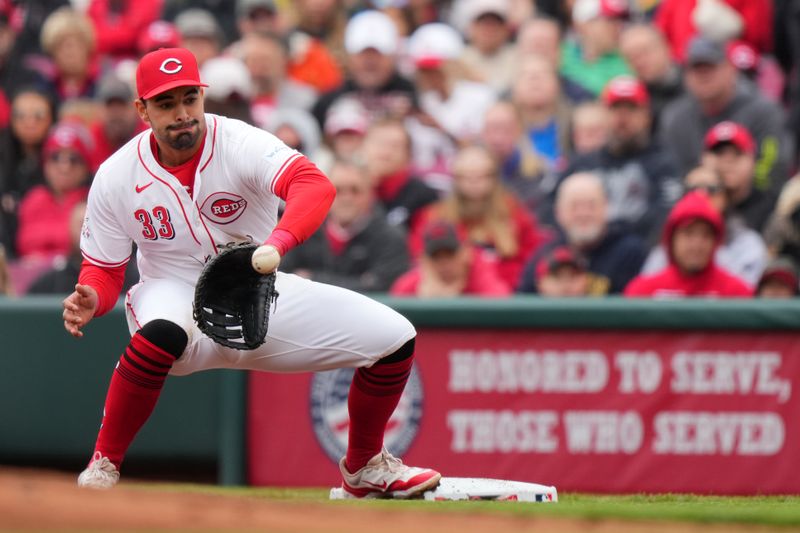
(185,139)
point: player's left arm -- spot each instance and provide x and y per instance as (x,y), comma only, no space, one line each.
(308,194)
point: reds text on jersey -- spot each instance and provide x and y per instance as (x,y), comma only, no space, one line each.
(134,199)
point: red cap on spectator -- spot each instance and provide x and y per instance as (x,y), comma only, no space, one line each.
(730,132)
(166,69)
(561,256)
(70,136)
(159,34)
(742,55)
(625,89)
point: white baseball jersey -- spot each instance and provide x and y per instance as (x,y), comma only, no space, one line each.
(134,199)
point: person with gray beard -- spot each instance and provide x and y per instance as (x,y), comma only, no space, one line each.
(640,177)
(614,255)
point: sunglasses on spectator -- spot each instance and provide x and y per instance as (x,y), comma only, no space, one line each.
(65,157)
(710,189)
(351,189)
(38,116)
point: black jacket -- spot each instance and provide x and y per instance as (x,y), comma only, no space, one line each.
(370,262)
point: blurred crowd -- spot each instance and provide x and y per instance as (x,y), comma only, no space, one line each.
(478,147)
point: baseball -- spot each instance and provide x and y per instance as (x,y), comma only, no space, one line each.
(265,259)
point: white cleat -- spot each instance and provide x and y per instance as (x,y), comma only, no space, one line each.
(100,474)
(385,476)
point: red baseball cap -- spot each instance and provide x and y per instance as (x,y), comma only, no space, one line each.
(70,135)
(159,34)
(561,256)
(730,132)
(166,69)
(742,55)
(626,89)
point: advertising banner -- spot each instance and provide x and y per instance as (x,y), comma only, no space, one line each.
(600,411)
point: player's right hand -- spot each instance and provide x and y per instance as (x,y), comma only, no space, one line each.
(79,308)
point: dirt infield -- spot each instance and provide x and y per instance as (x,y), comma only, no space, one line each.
(33,500)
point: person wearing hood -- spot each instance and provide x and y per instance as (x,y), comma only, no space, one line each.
(693,231)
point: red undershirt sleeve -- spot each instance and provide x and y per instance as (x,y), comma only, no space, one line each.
(308,194)
(107,282)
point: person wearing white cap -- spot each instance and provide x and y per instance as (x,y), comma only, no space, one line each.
(489,51)
(457,105)
(371,41)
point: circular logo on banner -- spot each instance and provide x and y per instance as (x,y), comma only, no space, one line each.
(167,70)
(331,423)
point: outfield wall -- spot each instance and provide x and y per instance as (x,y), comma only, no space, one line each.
(584,394)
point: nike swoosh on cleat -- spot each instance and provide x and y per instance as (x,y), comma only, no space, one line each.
(143,187)
(380,487)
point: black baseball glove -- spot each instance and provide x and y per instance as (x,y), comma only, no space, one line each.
(232,301)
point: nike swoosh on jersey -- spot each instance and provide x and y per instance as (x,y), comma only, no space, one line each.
(143,187)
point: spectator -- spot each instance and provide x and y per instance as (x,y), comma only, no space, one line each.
(409,16)
(545,114)
(456,105)
(562,274)
(779,280)
(118,122)
(68,39)
(614,255)
(254,17)
(316,44)
(14,74)
(750,20)
(590,127)
(693,231)
(647,52)
(782,233)
(61,279)
(640,177)
(542,36)
(715,94)
(5,282)
(355,248)
(490,216)
(731,151)
(742,251)
(230,88)
(298,129)
(45,210)
(387,154)
(522,169)
(449,267)
(345,128)
(266,60)
(371,42)
(489,53)
(200,33)
(157,34)
(119,24)
(593,58)
(32,114)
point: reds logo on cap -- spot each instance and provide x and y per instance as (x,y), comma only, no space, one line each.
(174,70)
(166,69)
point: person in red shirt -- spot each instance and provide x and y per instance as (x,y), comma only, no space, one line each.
(118,119)
(119,25)
(45,210)
(693,231)
(450,267)
(493,219)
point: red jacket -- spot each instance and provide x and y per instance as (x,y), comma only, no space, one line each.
(118,33)
(44,221)
(525,229)
(674,18)
(483,280)
(671,282)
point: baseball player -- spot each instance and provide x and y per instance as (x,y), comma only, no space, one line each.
(190,183)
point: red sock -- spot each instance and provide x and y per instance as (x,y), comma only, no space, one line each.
(374,395)
(132,395)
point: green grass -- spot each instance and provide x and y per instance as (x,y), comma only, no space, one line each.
(762,510)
